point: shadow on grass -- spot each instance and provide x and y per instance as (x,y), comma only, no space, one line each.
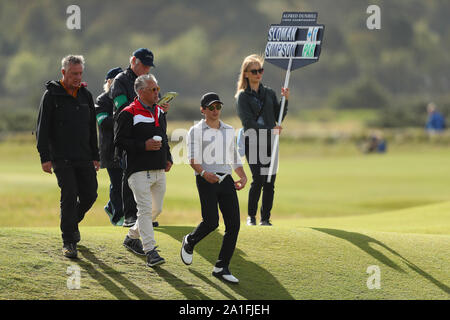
(255,281)
(188,290)
(92,269)
(363,242)
(212,284)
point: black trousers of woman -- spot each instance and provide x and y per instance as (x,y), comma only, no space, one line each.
(259,169)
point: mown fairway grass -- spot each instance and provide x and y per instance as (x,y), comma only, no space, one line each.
(336,213)
(293,260)
(313,181)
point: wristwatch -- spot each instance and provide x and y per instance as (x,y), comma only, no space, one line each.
(203,172)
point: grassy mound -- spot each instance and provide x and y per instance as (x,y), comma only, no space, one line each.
(295,259)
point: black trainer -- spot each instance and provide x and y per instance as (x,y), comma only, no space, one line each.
(265,223)
(153,258)
(251,221)
(69,250)
(134,245)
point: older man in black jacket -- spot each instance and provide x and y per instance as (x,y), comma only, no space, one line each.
(67,143)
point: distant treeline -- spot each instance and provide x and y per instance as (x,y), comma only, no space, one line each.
(396,70)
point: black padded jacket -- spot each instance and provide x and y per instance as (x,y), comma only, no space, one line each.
(66,126)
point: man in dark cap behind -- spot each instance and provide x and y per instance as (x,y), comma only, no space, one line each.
(104,108)
(122,93)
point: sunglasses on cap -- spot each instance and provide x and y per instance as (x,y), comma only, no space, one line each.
(256,71)
(216,106)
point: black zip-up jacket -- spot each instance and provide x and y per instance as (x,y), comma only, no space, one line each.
(249,105)
(122,93)
(122,90)
(136,124)
(66,128)
(104,110)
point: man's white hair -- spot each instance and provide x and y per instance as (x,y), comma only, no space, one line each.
(71,59)
(141,82)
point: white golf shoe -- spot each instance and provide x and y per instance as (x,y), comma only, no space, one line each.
(187,251)
(224,274)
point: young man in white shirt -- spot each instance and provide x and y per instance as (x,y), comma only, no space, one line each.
(212,154)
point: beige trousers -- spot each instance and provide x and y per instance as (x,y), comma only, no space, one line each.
(148,189)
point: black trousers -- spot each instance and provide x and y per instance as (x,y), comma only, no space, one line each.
(129,205)
(78,184)
(259,183)
(212,197)
(115,204)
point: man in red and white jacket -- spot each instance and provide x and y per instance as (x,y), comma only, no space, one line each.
(141,131)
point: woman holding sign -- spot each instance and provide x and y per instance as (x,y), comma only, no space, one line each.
(258,108)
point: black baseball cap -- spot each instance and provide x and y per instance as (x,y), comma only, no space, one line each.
(145,55)
(209,98)
(112,73)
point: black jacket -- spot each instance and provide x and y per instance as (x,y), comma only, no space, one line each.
(136,124)
(122,93)
(249,105)
(66,128)
(104,110)
(122,90)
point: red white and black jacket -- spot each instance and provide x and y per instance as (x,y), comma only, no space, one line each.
(135,124)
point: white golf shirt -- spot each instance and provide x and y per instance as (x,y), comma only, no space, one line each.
(214,149)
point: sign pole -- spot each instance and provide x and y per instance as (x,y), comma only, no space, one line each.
(297,40)
(280,119)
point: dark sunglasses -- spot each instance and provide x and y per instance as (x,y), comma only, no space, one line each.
(154,89)
(217,106)
(255,71)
